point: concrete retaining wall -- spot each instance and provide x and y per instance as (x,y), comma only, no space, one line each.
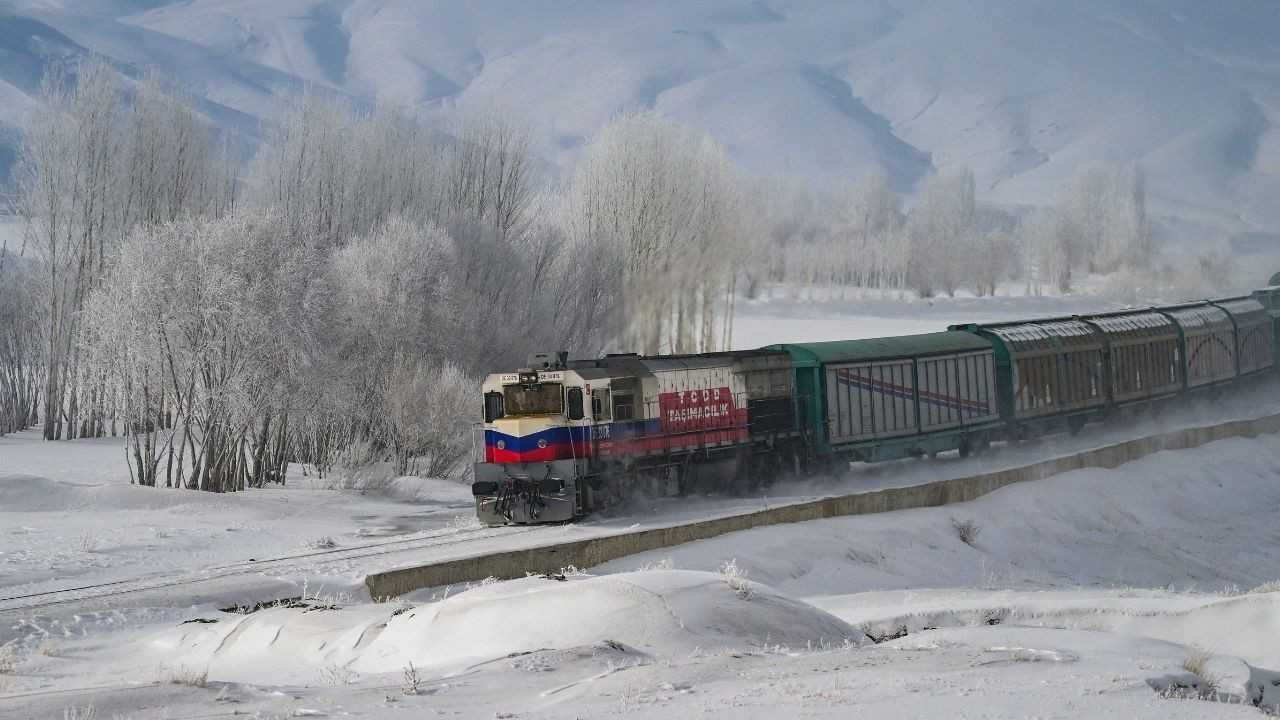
(588,553)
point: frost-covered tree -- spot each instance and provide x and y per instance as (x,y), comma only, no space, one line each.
(488,176)
(666,202)
(941,233)
(95,160)
(995,258)
(67,181)
(207,327)
(20,356)
(785,218)
(172,163)
(428,416)
(302,172)
(1104,212)
(864,218)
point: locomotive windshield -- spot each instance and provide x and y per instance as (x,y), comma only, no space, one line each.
(541,399)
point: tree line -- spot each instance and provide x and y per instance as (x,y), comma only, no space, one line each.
(332,297)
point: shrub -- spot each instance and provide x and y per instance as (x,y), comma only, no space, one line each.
(319,543)
(966,530)
(359,466)
(412,681)
(736,578)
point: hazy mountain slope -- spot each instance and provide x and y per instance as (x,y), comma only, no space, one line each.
(1022,91)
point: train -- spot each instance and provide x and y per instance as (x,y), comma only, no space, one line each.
(565,438)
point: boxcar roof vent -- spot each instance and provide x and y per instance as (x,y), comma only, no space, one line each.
(558,360)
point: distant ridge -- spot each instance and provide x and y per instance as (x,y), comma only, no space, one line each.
(1023,92)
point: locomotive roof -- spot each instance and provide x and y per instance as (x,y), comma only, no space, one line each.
(839,351)
(711,359)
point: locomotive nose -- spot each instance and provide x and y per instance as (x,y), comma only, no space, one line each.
(525,439)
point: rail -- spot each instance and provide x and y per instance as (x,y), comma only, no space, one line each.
(589,553)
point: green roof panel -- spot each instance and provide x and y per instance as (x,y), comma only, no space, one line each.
(842,351)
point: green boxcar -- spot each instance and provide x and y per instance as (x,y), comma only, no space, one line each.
(1270,299)
(887,398)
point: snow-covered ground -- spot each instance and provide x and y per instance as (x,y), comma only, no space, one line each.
(785,315)
(1129,592)
(175,547)
(1144,591)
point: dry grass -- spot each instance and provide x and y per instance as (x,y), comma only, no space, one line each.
(663,564)
(87,543)
(966,530)
(183,675)
(1197,663)
(88,712)
(337,675)
(9,660)
(224,695)
(736,578)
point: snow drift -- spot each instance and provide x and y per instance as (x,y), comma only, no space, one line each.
(657,613)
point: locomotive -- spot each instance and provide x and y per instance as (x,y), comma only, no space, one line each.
(563,438)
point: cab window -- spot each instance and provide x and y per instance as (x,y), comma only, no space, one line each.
(540,399)
(492,406)
(575,404)
(622,407)
(600,404)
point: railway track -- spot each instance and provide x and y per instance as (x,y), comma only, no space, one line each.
(162,581)
(163,588)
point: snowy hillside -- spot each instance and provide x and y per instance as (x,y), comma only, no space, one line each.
(1023,92)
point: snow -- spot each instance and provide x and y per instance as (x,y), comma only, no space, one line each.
(657,614)
(1025,93)
(1089,594)
(785,315)
(70,518)
(1102,585)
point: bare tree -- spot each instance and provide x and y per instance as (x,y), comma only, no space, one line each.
(666,201)
(19,345)
(66,177)
(941,233)
(489,175)
(206,326)
(1104,210)
(95,161)
(428,418)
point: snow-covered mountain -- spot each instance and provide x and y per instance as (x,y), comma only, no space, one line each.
(1022,91)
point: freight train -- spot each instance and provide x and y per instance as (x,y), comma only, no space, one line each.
(563,438)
